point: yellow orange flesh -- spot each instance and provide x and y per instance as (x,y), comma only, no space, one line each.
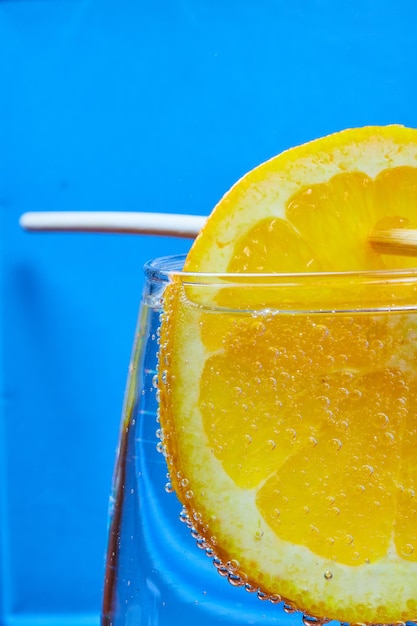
(291,438)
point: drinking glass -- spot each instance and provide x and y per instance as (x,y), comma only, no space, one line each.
(156,575)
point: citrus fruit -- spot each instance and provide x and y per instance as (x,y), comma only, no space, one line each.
(289,407)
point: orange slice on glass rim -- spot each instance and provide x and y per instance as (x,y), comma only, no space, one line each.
(291,440)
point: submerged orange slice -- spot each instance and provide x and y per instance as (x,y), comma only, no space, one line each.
(291,435)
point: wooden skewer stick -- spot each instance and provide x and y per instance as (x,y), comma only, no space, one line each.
(400,241)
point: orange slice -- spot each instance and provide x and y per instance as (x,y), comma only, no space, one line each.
(291,438)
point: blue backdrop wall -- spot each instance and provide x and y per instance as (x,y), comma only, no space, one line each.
(155,105)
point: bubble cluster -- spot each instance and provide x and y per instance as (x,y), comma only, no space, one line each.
(231,570)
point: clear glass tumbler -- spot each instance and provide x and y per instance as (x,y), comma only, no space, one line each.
(155,573)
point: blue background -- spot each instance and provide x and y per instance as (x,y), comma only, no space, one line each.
(155,105)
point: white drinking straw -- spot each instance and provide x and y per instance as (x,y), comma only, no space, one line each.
(400,241)
(166,224)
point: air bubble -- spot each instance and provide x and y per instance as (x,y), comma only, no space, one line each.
(189,494)
(201,543)
(155,381)
(223,571)
(377,344)
(381,420)
(184,482)
(169,488)
(407,550)
(324,331)
(348,375)
(328,575)
(233,565)
(259,533)
(260,328)
(335,445)
(291,433)
(275,599)
(329,360)
(309,620)
(324,401)
(235,580)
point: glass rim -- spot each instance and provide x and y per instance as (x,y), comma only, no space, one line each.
(169,268)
